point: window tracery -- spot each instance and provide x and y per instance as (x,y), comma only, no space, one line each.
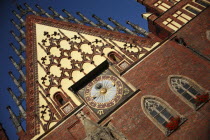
(189,91)
(161,114)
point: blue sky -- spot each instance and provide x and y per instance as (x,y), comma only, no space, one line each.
(120,10)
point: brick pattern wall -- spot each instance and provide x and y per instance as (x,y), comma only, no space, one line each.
(77,130)
(62,132)
(72,128)
(159,16)
(151,77)
(197,30)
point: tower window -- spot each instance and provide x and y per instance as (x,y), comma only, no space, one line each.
(192,9)
(172,24)
(114,57)
(182,17)
(161,114)
(173,1)
(59,99)
(202,2)
(161,5)
(189,91)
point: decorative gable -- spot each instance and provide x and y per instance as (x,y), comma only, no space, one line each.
(59,54)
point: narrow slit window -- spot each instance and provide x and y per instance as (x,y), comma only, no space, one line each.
(173,1)
(182,16)
(161,5)
(202,2)
(172,24)
(192,10)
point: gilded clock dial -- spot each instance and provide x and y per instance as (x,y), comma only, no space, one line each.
(104,92)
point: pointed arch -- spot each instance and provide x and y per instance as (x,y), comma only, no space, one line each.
(161,114)
(188,91)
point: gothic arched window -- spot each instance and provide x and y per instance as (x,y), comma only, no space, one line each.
(202,2)
(114,57)
(59,99)
(188,90)
(192,9)
(161,114)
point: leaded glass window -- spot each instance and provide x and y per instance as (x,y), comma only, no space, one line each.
(161,114)
(189,91)
(157,111)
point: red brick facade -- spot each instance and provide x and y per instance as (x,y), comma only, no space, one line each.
(3,135)
(158,15)
(152,80)
(197,30)
(188,58)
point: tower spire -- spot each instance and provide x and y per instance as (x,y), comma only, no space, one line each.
(18,68)
(15,120)
(86,20)
(22,111)
(18,53)
(120,27)
(55,14)
(17,84)
(102,23)
(18,27)
(70,17)
(18,40)
(22,11)
(30,9)
(19,17)
(138,29)
(43,12)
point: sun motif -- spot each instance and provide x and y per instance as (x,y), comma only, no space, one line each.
(104,92)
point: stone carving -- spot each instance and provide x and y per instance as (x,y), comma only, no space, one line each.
(96,132)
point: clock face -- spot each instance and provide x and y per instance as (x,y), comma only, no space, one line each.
(104,92)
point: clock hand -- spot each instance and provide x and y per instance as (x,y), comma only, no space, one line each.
(106,84)
(111,85)
(95,96)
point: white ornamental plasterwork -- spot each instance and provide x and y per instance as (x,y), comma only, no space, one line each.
(66,55)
